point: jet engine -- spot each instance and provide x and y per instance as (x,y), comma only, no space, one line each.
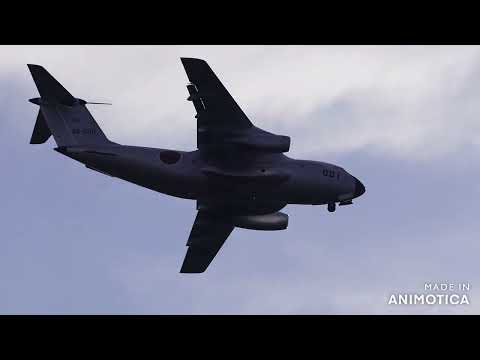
(274,221)
(261,140)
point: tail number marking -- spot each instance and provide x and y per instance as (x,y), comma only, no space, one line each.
(87,131)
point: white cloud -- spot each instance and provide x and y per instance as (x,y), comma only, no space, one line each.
(413,102)
(409,101)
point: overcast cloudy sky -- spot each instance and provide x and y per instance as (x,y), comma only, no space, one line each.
(403,119)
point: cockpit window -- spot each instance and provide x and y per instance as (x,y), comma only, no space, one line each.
(169,156)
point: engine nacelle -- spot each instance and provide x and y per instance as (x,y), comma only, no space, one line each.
(273,144)
(274,221)
(261,140)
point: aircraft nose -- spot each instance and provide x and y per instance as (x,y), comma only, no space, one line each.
(359,188)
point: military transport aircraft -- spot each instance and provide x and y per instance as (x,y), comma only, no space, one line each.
(239,175)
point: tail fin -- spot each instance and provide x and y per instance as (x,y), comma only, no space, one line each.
(62,115)
(41,132)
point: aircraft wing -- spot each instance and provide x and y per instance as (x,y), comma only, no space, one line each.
(220,121)
(216,100)
(206,238)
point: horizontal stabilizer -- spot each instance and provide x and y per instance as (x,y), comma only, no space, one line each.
(41,132)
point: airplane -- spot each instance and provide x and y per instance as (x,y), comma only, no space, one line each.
(239,175)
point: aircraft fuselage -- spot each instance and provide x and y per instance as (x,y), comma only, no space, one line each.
(239,176)
(273,180)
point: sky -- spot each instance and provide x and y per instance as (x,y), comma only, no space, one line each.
(403,119)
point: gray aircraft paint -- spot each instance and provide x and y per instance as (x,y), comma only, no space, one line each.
(239,175)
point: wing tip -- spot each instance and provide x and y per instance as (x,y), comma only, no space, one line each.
(192,61)
(193,267)
(186,270)
(186,58)
(35,67)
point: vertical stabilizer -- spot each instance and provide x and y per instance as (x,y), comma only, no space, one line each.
(62,115)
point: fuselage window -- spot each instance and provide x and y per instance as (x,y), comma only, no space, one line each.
(170,157)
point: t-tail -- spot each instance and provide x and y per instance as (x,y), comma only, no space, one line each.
(62,115)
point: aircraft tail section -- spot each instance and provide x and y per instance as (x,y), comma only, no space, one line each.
(61,114)
(41,132)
